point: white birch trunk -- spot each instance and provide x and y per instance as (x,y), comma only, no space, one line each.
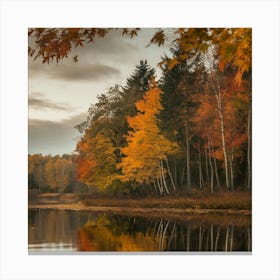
(170,175)
(159,186)
(231,169)
(163,177)
(219,99)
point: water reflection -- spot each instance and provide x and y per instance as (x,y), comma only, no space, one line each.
(57,230)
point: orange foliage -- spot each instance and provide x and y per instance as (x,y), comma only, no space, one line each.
(235,107)
(96,163)
(146,145)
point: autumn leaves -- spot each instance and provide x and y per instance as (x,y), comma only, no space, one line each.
(140,161)
(147,146)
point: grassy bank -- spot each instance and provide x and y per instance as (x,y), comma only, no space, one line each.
(233,201)
(217,201)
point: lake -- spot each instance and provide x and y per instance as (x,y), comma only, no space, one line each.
(66,230)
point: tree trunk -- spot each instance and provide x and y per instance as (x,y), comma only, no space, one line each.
(206,165)
(170,175)
(183,174)
(155,187)
(219,101)
(211,168)
(188,157)
(219,98)
(163,177)
(231,169)
(175,172)
(249,150)
(216,170)
(159,186)
(201,179)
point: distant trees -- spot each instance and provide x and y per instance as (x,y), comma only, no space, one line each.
(53,174)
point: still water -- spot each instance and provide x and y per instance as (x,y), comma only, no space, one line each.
(65,230)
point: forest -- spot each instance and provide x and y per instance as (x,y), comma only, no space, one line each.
(187,131)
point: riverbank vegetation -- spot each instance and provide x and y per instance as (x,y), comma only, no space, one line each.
(196,201)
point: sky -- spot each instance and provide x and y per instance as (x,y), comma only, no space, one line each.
(60,94)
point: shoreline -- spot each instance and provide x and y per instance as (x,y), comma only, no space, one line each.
(205,216)
(82,207)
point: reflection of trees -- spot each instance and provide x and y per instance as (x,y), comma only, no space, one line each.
(108,235)
(54,226)
(100,232)
(172,236)
(116,233)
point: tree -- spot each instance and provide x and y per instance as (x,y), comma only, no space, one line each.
(96,165)
(147,148)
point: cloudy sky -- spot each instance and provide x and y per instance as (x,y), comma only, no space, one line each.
(61,93)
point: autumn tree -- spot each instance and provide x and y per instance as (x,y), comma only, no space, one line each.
(97,161)
(146,153)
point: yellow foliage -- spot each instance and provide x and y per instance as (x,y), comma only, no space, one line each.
(146,145)
(97,163)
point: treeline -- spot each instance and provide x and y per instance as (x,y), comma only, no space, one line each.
(191,129)
(53,174)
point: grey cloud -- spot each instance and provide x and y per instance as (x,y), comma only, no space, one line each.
(41,103)
(73,71)
(48,137)
(88,72)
